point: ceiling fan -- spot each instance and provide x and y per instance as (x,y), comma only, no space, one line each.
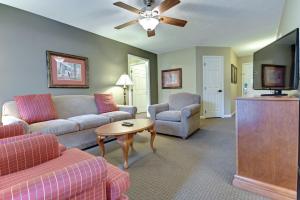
(150,17)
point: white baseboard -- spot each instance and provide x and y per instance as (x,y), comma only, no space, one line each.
(202,117)
(229,116)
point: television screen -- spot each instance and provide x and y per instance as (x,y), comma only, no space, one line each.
(276,67)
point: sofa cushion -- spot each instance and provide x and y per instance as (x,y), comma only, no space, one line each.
(89,121)
(36,108)
(57,127)
(171,115)
(105,103)
(117,182)
(117,115)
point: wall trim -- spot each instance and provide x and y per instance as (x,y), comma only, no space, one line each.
(229,116)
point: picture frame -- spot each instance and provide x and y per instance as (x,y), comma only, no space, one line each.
(273,76)
(233,74)
(67,71)
(171,78)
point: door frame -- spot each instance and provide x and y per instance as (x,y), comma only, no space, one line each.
(148,79)
(222,87)
(243,77)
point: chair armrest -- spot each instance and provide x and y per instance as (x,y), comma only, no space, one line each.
(18,138)
(7,120)
(157,108)
(11,130)
(190,110)
(65,183)
(33,151)
(130,109)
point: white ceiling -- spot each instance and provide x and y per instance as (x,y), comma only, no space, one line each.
(245,25)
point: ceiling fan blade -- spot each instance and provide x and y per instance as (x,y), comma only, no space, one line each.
(127,7)
(151,33)
(166,5)
(173,21)
(127,24)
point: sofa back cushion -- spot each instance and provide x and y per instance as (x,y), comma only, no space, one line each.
(11,130)
(66,106)
(27,153)
(74,105)
(180,100)
(105,103)
(36,108)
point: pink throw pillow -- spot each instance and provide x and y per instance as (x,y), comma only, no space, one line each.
(36,108)
(105,103)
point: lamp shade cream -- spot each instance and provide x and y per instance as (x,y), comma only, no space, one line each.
(124,80)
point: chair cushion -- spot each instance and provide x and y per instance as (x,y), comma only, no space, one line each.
(68,157)
(117,115)
(90,121)
(117,182)
(171,115)
(105,103)
(57,126)
(36,108)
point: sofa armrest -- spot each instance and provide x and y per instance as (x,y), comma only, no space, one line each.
(130,109)
(18,138)
(11,130)
(33,151)
(66,183)
(7,120)
(157,108)
(190,110)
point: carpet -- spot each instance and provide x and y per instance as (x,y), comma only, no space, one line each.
(199,168)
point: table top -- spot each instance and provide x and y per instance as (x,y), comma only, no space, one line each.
(116,128)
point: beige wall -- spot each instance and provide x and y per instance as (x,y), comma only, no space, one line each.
(185,59)
(191,60)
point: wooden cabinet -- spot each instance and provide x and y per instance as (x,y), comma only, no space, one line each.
(267,146)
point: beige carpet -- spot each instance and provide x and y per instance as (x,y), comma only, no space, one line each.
(201,167)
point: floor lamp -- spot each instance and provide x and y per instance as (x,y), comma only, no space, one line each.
(124,81)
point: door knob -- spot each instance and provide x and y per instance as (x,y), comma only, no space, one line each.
(220,91)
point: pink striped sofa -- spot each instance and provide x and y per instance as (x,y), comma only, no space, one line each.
(35,166)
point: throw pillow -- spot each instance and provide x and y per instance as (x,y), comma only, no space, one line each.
(105,103)
(36,108)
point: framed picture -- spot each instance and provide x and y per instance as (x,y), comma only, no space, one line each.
(233,74)
(171,78)
(273,75)
(67,71)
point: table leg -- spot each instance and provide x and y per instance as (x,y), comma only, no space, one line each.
(125,141)
(100,141)
(152,131)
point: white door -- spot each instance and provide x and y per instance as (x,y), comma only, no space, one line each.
(247,82)
(213,86)
(140,93)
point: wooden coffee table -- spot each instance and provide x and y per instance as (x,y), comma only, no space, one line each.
(125,134)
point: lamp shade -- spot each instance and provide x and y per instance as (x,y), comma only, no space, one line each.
(124,80)
(149,23)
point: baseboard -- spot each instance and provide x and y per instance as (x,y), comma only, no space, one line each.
(202,117)
(264,189)
(229,116)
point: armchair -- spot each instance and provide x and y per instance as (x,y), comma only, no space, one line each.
(179,117)
(34,166)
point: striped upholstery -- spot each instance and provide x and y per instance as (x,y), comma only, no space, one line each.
(18,138)
(27,153)
(117,182)
(83,180)
(36,108)
(11,130)
(105,103)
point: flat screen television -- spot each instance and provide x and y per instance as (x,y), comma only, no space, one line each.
(276,66)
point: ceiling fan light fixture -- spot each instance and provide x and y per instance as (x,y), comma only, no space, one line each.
(149,23)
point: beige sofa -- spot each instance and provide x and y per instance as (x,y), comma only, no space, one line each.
(77,119)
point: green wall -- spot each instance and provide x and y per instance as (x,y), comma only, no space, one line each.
(24,39)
